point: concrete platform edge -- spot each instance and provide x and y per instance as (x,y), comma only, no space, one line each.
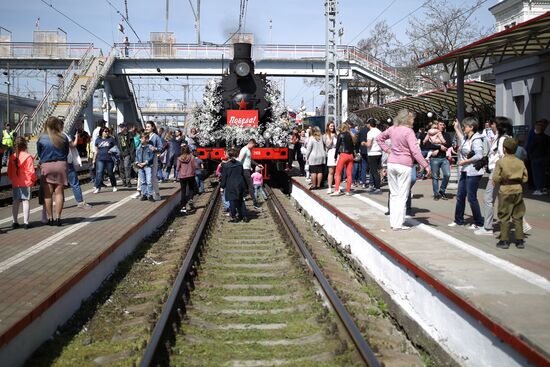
(467,340)
(70,296)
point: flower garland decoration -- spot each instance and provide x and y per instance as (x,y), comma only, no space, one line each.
(206,117)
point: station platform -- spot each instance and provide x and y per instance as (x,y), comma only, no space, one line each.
(484,305)
(46,271)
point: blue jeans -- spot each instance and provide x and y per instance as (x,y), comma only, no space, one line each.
(364,169)
(73,182)
(356,172)
(145,177)
(169,165)
(200,182)
(225,202)
(259,189)
(467,188)
(537,170)
(99,167)
(6,155)
(436,164)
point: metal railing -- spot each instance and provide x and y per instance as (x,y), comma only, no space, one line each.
(83,95)
(259,52)
(134,98)
(21,129)
(45,50)
(44,109)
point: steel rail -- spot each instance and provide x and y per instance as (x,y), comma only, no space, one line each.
(170,310)
(362,346)
(170,313)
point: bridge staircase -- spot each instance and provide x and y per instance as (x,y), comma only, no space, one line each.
(67,99)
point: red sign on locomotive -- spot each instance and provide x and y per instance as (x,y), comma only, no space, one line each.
(243,118)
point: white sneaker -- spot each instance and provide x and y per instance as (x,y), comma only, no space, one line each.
(537,193)
(483,232)
(348,193)
(453,224)
(97,190)
(402,228)
(329,191)
(84,205)
(115,189)
(336,193)
(473,226)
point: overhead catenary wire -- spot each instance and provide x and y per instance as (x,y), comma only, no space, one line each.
(75,22)
(374,20)
(125,18)
(411,13)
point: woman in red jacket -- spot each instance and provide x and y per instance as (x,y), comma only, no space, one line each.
(22,176)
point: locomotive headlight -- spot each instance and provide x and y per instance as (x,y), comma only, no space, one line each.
(242,69)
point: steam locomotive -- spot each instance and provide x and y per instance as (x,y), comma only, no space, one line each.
(244,105)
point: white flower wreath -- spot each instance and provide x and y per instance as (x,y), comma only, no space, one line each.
(206,117)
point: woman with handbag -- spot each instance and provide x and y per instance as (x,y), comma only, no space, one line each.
(103,159)
(469,152)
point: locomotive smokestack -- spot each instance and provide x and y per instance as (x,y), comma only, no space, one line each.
(242,51)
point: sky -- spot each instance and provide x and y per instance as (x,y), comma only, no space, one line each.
(292,22)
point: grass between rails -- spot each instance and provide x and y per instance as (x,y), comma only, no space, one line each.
(110,324)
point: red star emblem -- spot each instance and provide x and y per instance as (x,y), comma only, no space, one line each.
(242,104)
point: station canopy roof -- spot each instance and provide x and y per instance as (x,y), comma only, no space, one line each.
(479,95)
(529,37)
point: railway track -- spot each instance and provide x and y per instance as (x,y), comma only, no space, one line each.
(204,291)
(244,297)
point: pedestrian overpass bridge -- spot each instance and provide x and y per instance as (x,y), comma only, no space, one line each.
(88,69)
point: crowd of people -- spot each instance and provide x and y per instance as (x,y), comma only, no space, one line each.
(368,154)
(363,156)
(146,155)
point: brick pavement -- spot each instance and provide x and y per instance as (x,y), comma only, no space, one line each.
(45,274)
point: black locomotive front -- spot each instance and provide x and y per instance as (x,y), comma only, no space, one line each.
(242,89)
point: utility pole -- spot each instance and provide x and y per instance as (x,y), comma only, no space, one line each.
(198,22)
(331,61)
(7,74)
(197,16)
(167,15)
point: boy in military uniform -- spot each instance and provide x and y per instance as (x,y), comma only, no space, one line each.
(510,173)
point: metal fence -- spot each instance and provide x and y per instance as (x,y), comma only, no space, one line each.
(46,50)
(259,52)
